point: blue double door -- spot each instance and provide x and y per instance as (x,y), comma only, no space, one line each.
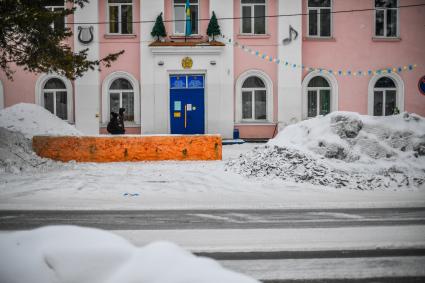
(187,104)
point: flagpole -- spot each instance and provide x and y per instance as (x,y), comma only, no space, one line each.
(188,23)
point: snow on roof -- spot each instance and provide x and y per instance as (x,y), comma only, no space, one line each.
(31,119)
(86,255)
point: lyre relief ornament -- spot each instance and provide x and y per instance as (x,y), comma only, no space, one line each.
(85,34)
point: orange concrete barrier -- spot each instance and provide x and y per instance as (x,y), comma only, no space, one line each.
(128,148)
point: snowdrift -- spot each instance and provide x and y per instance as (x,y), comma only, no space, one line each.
(18,124)
(31,120)
(344,149)
(85,255)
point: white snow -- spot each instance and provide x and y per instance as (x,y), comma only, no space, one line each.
(291,239)
(344,149)
(30,182)
(18,124)
(84,255)
(31,120)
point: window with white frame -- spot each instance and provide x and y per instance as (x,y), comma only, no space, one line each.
(319,18)
(386,18)
(57,6)
(55,98)
(121,95)
(253,16)
(254,100)
(180,16)
(120,16)
(384,97)
(318,97)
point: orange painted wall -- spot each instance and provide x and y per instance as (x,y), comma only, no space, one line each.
(128,148)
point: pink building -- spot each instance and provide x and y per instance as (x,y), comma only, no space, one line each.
(279,62)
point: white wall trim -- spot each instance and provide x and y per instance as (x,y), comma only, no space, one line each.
(186,50)
(399,95)
(41,82)
(105,97)
(333,82)
(1,96)
(269,88)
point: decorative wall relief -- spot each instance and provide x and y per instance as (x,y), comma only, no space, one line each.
(85,35)
(293,35)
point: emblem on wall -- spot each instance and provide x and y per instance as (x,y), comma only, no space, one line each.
(85,35)
(187,63)
(293,35)
(421,85)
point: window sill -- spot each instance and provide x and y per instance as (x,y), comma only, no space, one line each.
(253,36)
(251,123)
(130,125)
(386,39)
(318,38)
(119,36)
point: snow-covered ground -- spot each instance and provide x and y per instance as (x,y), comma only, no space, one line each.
(30,182)
(344,150)
(84,255)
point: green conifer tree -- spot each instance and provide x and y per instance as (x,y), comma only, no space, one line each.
(159,28)
(213,27)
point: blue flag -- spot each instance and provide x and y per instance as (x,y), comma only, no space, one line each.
(188,20)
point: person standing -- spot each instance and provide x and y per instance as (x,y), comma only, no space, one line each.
(121,120)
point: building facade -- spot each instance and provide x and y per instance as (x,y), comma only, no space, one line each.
(278,62)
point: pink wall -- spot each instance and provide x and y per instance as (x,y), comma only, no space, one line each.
(22,88)
(353,47)
(243,61)
(204,6)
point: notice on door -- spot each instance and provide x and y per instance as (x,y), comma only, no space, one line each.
(177,106)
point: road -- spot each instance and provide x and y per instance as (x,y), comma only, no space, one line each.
(213,219)
(275,246)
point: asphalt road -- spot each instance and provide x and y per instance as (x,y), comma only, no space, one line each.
(315,266)
(214,219)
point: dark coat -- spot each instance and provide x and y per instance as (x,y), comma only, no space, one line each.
(114,126)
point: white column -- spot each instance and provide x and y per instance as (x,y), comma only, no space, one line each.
(87,88)
(1,96)
(149,10)
(290,79)
(223,121)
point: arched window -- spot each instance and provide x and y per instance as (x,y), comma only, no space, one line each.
(384,97)
(121,95)
(254,99)
(318,97)
(55,97)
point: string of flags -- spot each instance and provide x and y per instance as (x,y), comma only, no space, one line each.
(339,72)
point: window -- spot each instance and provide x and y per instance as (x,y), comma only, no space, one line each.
(57,6)
(318,97)
(180,16)
(120,16)
(384,97)
(121,95)
(386,18)
(253,16)
(254,99)
(319,18)
(55,98)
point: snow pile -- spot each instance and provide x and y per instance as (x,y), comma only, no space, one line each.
(84,255)
(18,124)
(344,149)
(32,120)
